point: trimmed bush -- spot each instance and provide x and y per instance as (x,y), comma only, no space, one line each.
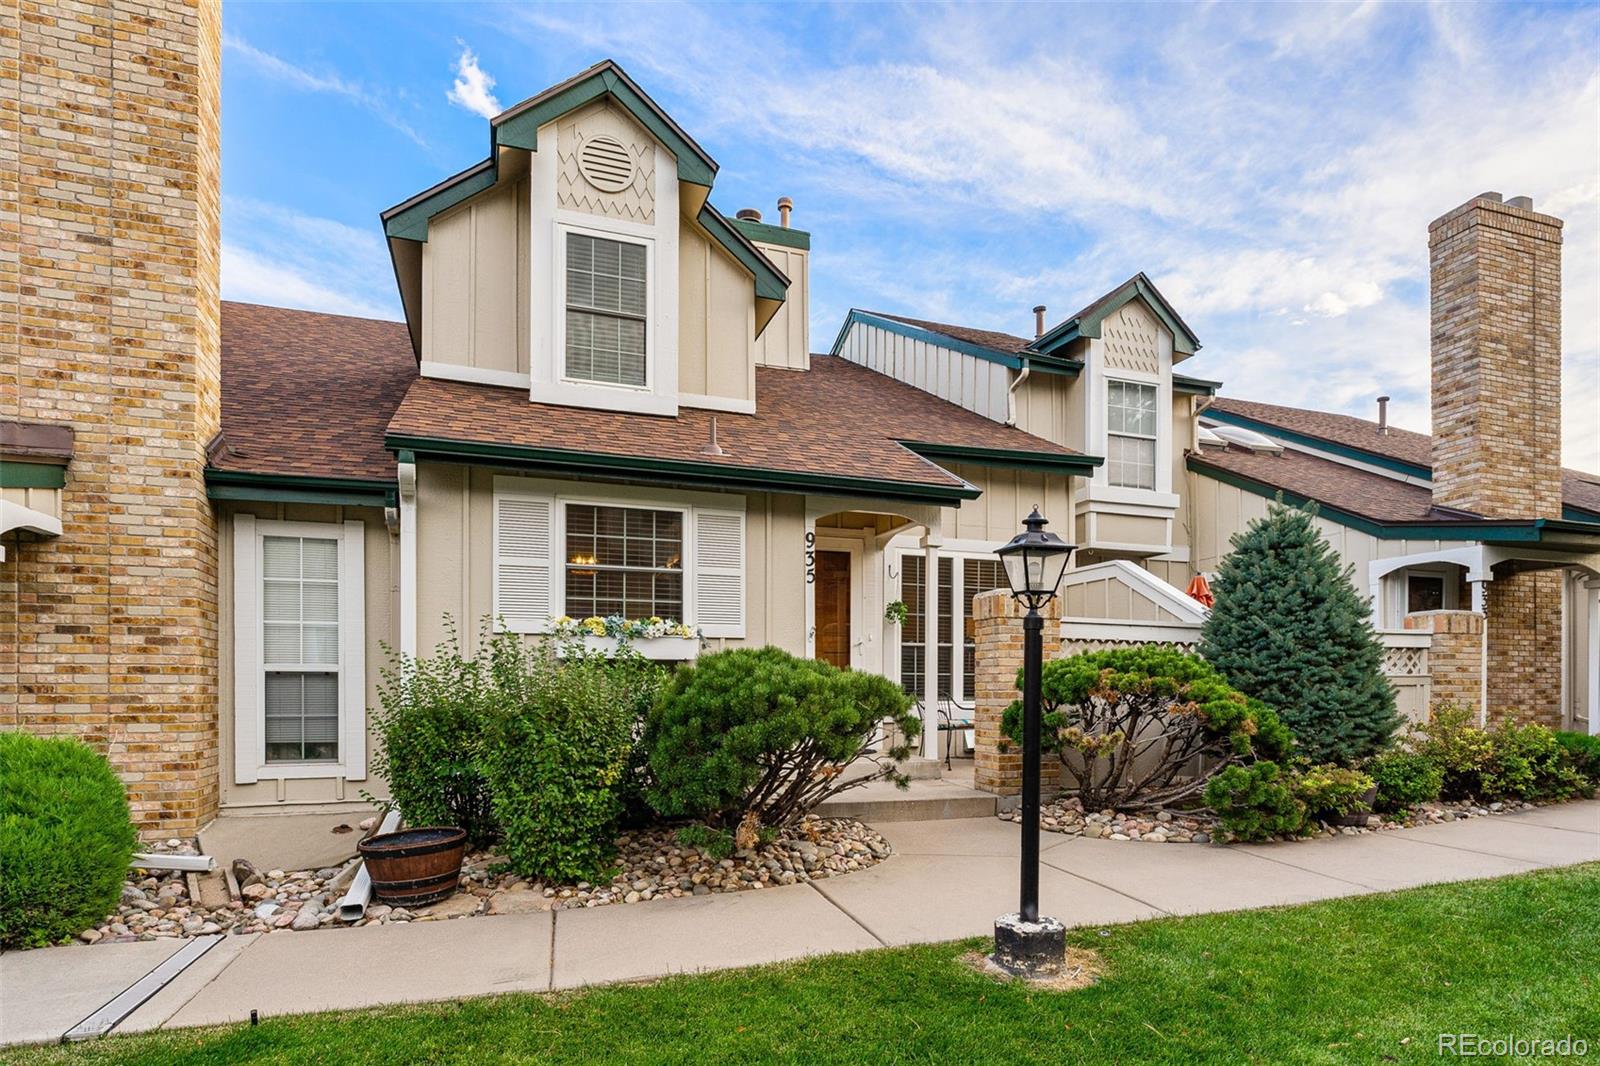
(759,731)
(556,756)
(1583,754)
(65,839)
(1332,792)
(431,720)
(1130,725)
(1452,741)
(1256,801)
(1290,630)
(1507,762)
(1404,779)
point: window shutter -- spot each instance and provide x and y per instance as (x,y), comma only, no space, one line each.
(719,572)
(522,566)
(247,651)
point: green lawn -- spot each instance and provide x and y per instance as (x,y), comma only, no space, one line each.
(1356,980)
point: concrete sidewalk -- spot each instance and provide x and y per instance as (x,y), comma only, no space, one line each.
(947,879)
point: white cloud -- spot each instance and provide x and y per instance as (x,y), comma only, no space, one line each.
(473,87)
(286,73)
(275,255)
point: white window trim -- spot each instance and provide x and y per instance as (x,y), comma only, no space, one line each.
(895,556)
(1096,375)
(621,233)
(249,669)
(685,502)
(1154,439)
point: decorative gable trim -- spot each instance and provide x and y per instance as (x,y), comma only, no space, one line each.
(1087,323)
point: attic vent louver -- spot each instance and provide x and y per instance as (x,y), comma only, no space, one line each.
(606,164)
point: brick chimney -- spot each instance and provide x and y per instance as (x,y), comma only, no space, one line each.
(108,632)
(1495,276)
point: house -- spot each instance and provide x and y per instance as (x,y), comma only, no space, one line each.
(602,401)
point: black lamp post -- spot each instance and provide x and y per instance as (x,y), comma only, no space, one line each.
(1034,562)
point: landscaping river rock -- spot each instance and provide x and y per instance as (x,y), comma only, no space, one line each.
(1065,815)
(650,865)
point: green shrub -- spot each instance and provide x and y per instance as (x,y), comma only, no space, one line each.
(1130,723)
(431,721)
(65,839)
(1256,801)
(759,730)
(556,756)
(1331,792)
(1528,763)
(717,843)
(1452,741)
(1583,755)
(1290,629)
(1404,780)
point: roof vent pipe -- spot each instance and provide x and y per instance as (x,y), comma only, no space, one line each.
(748,214)
(1383,414)
(1038,322)
(785,205)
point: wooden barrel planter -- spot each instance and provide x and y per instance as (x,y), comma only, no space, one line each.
(415,867)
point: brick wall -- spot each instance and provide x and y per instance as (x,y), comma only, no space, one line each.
(109,321)
(997,634)
(1495,280)
(1455,655)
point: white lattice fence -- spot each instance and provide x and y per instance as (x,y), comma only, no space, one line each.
(1405,664)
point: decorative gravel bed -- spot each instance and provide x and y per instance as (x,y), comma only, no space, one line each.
(1065,815)
(651,864)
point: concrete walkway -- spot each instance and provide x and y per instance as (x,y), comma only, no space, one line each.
(948,879)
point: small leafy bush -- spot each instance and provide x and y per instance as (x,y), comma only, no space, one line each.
(1332,792)
(1452,741)
(717,843)
(65,839)
(432,716)
(759,731)
(1132,725)
(1256,801)
(1404,779)
(1528,763)
(1583,755)
(556,756)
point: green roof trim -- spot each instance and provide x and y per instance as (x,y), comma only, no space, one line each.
(288,488)
(20,475)
(1008,458)
(409,220)
(1485,530)
(678,472)
(1086,323)
(1185,385)
(1573,513)
(771,283)
(1014,360)
(1387,462)
(768,234)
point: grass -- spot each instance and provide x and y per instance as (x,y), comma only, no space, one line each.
(1371,979)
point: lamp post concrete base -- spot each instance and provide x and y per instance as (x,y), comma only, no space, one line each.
(1032,950)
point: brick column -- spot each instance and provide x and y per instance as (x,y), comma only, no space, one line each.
(997,632)
(1455,656)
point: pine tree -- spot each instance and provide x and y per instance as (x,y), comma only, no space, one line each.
(1290,629)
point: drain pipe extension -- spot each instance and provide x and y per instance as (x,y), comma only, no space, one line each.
(353,907)
(203,864)
(1011,393)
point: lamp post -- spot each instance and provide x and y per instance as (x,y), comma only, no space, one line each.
(1034,561)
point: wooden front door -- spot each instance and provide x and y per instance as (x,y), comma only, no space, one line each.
(832,604)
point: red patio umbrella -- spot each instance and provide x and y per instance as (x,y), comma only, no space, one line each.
(1200,590)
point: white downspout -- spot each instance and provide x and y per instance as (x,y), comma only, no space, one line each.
(1011,392)
(1592,586)
(406,475)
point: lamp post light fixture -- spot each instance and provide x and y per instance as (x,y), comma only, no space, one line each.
(1034,561)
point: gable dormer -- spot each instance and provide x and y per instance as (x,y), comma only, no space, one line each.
(584,262)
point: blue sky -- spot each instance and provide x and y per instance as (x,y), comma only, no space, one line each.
(1273,168)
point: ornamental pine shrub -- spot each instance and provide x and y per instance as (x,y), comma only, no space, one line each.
(65,839)
(1290,629)
(1256,801)
(1404,779)
(1145,726)
(757,730)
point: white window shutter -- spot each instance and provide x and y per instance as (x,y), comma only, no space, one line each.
(719,572)
(247,677)
(353,653)
(523,534)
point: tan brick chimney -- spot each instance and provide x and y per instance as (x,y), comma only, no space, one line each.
(109,178)
(1495,279)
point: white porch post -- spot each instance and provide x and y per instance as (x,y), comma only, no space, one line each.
(930,642)
(1592,586)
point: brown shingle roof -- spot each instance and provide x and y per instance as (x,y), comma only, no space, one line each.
(309,394)
(1579,489)
(984,338)
(1361,492)
(836,420)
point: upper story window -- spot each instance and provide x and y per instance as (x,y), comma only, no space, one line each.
(625,561)
(607,309)
(1131,434)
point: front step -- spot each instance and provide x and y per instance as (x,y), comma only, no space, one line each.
(923,801)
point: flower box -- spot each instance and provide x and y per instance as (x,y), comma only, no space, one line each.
(665,649)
